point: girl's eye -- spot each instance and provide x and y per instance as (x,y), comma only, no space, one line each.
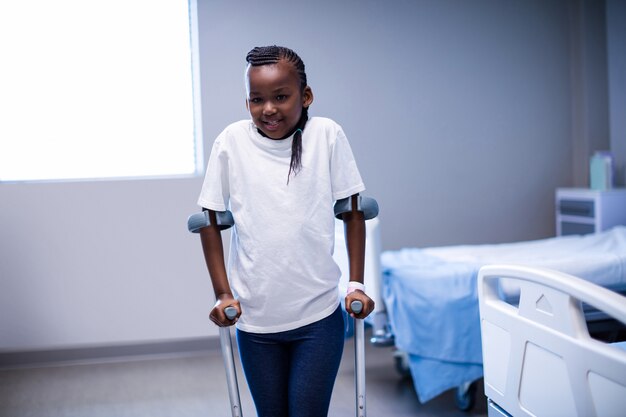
(255,100)
(281,97)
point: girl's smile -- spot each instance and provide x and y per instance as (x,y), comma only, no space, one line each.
(275,98)
(272,125)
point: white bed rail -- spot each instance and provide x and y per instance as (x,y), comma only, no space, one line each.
(539,359)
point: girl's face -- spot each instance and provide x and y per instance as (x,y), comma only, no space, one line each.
(275,100)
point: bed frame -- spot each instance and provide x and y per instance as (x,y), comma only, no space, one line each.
(539,358)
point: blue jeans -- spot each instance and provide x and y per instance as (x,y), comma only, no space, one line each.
(292,373)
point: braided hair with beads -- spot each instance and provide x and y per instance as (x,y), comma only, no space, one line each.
(267,55)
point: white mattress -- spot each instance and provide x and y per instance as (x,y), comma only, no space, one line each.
(599,258)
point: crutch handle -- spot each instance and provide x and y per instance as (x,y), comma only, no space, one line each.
(356,306)
(231,312)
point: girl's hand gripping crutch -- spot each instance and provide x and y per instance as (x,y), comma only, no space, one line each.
(359,359)
(229,364)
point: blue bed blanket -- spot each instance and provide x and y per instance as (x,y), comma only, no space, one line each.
(432,302)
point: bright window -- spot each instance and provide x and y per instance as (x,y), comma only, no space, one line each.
(97,89)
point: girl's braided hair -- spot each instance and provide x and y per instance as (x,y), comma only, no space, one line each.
(267,55)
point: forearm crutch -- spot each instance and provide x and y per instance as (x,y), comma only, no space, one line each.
(229,364)
(359,359)
(369,207)
(224,220)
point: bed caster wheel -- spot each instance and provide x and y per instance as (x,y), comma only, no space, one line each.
(465,396)
(401,360)
(382,338)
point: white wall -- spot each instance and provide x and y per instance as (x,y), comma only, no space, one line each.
(459,114)
(100,262)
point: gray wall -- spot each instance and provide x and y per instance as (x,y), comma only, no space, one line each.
(460,114)
(616,45)
(590,117)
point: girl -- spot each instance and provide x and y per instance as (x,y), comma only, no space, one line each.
(280,173)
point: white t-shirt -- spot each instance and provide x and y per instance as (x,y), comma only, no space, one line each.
(280,266)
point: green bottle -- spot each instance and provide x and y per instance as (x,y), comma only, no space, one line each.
(601,171)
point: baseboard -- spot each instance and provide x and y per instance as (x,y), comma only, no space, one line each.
(107,353)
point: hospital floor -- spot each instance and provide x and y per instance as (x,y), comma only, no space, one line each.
(192,385)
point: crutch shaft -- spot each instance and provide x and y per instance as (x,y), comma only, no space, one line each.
(359,360)
(226,345)
(231,374)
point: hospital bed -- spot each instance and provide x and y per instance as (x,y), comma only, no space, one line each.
(539,358)
(431,299)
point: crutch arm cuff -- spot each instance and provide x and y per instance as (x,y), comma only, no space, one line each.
(197,221)
(367,205)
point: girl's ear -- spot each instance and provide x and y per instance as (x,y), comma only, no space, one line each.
(307,96)
(247,105)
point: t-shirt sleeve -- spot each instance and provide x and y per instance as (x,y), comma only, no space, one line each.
(344,173)
(215,191)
